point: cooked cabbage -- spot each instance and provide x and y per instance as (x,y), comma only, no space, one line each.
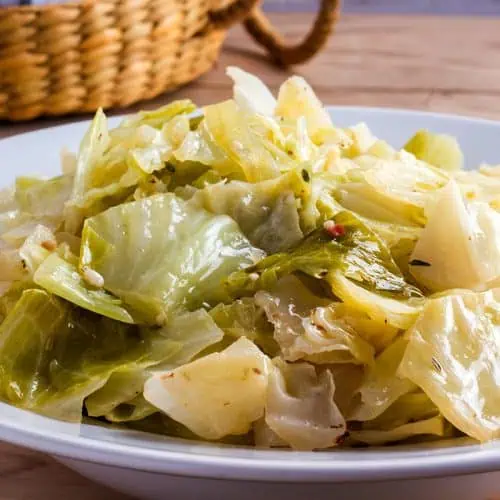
(251,273)
(356,255)
(453,354)
(434,426)
(251,154)
(267,211)
(62,278)
(460,245)
(161,255)
(244,318)
(52,355)
(297,99)
(41,197)
(383,385)
(300,408)
(217,395)
(440,150)
(305,327)
(120,399)
(399,190)
(250,93)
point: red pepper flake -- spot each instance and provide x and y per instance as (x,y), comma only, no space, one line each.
(334,230)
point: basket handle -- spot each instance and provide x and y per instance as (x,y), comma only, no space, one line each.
(264,33)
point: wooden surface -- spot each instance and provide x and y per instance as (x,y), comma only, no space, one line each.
(433,63)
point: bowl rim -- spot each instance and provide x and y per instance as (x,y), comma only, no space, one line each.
(239,463)
(211,461)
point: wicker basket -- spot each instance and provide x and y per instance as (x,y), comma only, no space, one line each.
(76,57)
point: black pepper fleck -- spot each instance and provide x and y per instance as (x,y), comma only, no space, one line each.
(436,364)
(418,262)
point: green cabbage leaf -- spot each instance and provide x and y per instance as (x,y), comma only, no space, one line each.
(160,255)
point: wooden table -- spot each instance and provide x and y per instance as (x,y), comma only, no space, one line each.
(438,63)
(434,63)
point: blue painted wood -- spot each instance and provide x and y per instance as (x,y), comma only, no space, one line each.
(455,7)
(458,7)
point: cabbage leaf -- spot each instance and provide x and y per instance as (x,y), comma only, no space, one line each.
(42,197)
(300,408)
(453,354)
(383,384)
(157,118)
(250,93)
(160,255)
(267,211)
(440,150)
(120,399)
(244,318)
(434,426)
(398,191)
(356,253)
(296,99)
(62,278)
(217,395)
(460,245)
(253,157)
(53,355)
(305,327)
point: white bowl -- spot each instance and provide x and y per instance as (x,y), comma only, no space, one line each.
(157,467)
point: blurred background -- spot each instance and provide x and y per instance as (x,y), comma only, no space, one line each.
(437,55)
(460,7)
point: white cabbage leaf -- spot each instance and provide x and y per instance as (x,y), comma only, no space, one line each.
(399,190)
(361,140)
(296,98)
(247,141)
(60,277)
(399,314)
(453,354)
(157,118)
(244,318)
(300,408)
(43,197)
(410,407)
(250,92)
(217,395)
(305,327)
(36,248)
(92,148)
(53,355)
(265,437)
(383,384)
(459,246)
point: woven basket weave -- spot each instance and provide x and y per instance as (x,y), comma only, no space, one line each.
(76,57)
